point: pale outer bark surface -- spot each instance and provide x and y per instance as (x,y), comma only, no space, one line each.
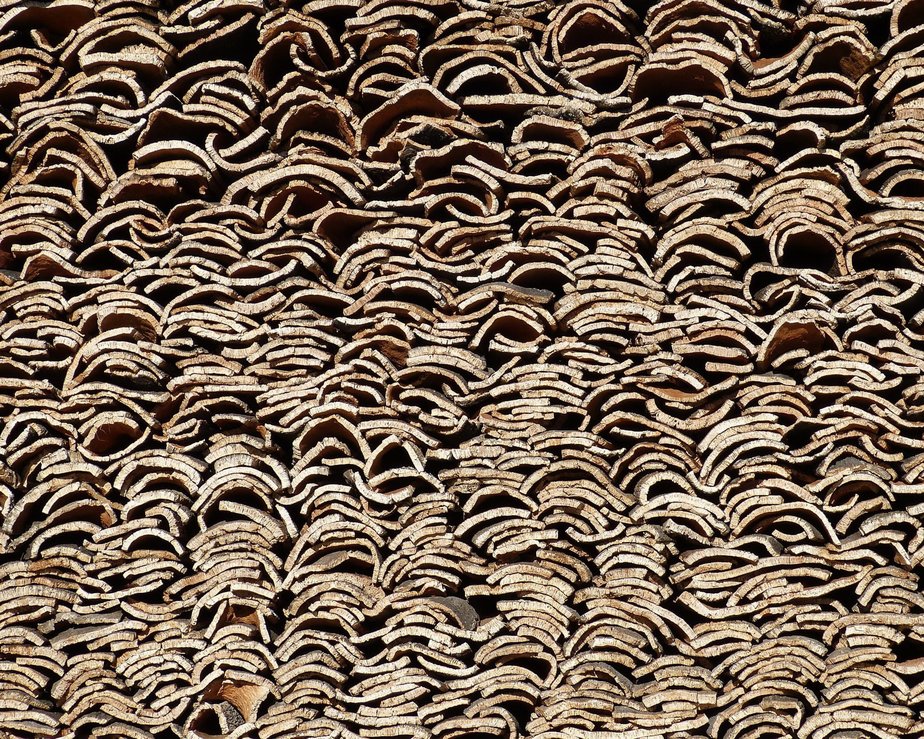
(446,368)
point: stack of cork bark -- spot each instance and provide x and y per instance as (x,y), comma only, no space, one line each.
(461,369)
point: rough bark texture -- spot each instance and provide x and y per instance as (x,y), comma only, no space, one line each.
(454,369)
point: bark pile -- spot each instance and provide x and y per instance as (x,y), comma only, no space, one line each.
(449,368)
